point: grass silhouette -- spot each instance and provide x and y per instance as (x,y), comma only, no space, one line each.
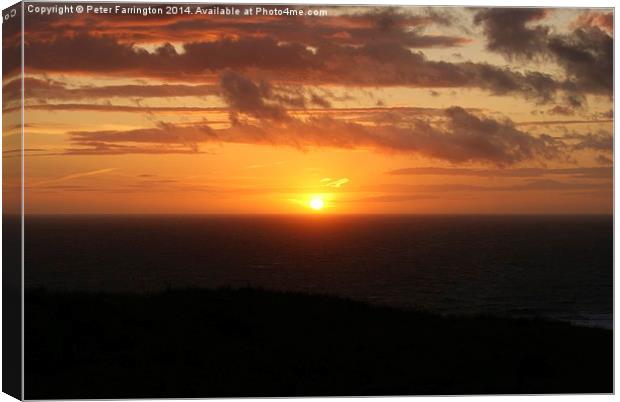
(253,343)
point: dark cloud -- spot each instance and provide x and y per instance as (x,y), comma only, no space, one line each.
(76,107)
(86,53)
(49,89)
(11,46)
(511,31)
(373,113)
(472,138)
(262,100)
(459,137)
(376,63)
(587,58)
(392,64)
(43,90)
(378,42)
(604,160)
(245,96)
(562,122)
(502,81)
(387,25)
(265,53)
(189,136)
(599,141)
(105,55)
(462,137)
(561,110)
(586,54)
(101,148)
(354,26)
(320,101)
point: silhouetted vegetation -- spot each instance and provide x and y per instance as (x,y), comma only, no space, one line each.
(248,342)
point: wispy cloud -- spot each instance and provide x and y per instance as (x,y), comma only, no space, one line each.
(336,183)
(579,172)
(74,176)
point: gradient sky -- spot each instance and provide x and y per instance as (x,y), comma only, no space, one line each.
(377,110)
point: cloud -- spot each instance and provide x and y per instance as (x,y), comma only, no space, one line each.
(243,95)
(234,87)
(163,133)
(383,43)
(534,185)
(74,176)
(604,160)
(553,185)
(601,20)
(395,198)
(46,89)
(386,63)
(599,141)
(404,193)
(105,55)
(511,32)
(392,64)
(458,136)
(585,54)
(371,113)
(463,138)
(11,51)
(562,122)
(350,26)
(336,183)
(265,165)
(576,173)
(388,24)
(74,107)
(472,138)
(561,110)
(587,58)
(107,148)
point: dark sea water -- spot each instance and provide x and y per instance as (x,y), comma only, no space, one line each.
(558,267)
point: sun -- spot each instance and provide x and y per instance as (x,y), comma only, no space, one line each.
(317,203)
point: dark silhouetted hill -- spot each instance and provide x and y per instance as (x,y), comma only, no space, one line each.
(248,342)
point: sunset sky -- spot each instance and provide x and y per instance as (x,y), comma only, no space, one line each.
(373,110)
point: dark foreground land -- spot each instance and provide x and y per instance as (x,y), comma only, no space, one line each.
(219,343)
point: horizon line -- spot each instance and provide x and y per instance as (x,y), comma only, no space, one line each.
(276,214)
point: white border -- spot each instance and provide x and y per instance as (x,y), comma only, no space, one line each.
(506,3)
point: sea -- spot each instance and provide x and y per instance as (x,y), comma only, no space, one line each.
(551,267)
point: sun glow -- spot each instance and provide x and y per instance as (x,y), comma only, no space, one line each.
(317,203)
